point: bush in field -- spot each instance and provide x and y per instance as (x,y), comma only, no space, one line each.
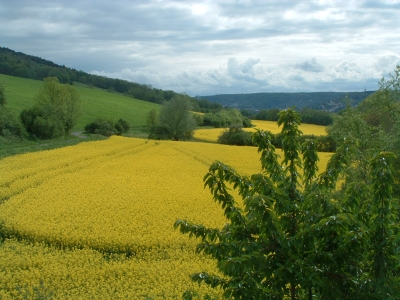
(107,128)
(122,126)
(159,132)
(246,122)
(235,135)
(290,237)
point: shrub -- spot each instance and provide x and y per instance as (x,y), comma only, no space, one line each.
(28,116)
(101,126)
(10,125)
(91,127)
(44,128)
(235,135)
(247,122)
(122,126)
(106,128)
(40,124)
(159,132)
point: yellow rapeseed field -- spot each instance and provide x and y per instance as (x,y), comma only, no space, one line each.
(73,213)
(211,134)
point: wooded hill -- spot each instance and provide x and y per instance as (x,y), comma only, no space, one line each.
(27,66)
(327,101)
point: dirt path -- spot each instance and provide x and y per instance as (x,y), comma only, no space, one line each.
(79,134)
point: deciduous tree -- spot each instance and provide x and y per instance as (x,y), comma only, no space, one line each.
(55,112)
(176,119)
(293,238)
(375,125)
(2,96)
(10,125)
(151,118)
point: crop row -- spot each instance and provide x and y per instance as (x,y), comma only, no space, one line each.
(36,271)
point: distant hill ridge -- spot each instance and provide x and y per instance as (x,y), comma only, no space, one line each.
(327,101)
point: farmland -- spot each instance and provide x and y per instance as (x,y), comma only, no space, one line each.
(211,135)
(95,220)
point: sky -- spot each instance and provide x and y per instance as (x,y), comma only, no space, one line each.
(213,47)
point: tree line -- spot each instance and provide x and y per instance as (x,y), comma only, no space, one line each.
(307,115)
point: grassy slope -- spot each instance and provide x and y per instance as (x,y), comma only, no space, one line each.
(96,103)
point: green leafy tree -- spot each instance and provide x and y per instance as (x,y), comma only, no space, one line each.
(375,125)
(176,119)
(151,118)
(294,238)
(2,96)
(10,125)
(61,100)
(55,112)
(122,126)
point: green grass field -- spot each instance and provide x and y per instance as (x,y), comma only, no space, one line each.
(96,103)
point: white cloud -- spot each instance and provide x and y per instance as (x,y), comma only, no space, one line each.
(387,63)
(206,47)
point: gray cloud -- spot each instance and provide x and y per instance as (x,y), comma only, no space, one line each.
(206,47)
(310,66)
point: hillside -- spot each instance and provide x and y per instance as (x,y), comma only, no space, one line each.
(329,101)
(96,103)
(27,66)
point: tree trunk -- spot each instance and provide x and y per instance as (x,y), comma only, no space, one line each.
(292,291)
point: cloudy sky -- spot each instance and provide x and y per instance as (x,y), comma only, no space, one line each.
(213,47)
